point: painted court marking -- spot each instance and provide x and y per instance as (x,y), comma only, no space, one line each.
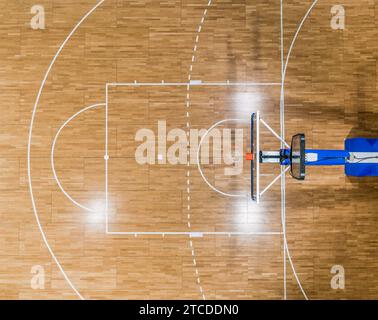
(188,181)
(29,148)
(234,195)
(282,115)
(188,156)
(106,157)
(193,83)
(53,152)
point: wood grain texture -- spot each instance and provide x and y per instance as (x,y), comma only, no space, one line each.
(330,94)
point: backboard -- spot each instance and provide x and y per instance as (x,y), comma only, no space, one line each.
(255,162)
(292,157)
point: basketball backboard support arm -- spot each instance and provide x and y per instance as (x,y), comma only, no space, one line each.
(360,157)
(255,159)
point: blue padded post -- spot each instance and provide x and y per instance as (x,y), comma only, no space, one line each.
(361,145)
(361,169)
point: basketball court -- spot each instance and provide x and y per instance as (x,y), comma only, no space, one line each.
(125,129)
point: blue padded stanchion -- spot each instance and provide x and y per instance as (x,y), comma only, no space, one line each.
(361,169)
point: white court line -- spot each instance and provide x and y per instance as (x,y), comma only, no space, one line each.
(188,85)
(282,113)
(197,234)
(296,36)
(162,233)
(31,131)
(53,153)
(199,162)
(193,84)
(106,158)
(282,123)
(188,132)
(30,142)
(258,120)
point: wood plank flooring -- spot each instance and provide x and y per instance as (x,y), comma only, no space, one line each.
(330,94)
